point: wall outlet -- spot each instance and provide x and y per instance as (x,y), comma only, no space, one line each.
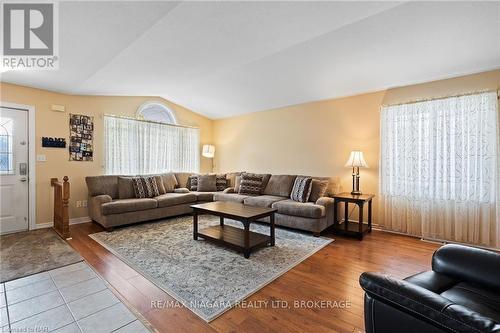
(78,204)
(84,203)
(41,158)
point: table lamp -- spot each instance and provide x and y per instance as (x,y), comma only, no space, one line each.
(356,161)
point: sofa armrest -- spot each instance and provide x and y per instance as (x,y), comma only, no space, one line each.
(327,202)
(422,304)
(95,205)
(482,266)
(228,190)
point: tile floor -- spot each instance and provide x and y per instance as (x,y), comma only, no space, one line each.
(70,299)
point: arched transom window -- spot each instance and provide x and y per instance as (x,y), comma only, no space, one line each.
(156,111)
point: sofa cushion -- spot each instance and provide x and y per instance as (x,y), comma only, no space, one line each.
(231,178)
(304,209)
(127,205)
(98,185)
(318,189)
(221,182)
(207,183)
(125,188)
(237,184)
(204,196)
(231,197)
(301,189)
(145,187)
(172,199)
(279,185)
(183,179)
(193,183)
(159,183)
(251,184)
(262,200)
(169,182)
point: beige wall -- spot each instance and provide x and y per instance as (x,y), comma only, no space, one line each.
(316,138)
(56,124)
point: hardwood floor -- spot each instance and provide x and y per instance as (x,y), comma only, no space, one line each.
(329,275)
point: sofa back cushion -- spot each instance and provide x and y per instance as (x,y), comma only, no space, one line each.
(280,185)
(183,179)
(237,184)
(125,188)
(169,182)
(231,178)
(99,185)
(301,189)
(251,184)
(207,183)
(145,187)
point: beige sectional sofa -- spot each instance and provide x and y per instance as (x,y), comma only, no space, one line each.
(110,207)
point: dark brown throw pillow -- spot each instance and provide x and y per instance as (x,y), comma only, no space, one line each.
(318,189)
(207,183)
(193,182)
(221,182)
(145,187)
(251,184)
(301,189)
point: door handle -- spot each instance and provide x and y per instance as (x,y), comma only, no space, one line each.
(23,179)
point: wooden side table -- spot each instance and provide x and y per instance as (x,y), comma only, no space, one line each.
(348,228)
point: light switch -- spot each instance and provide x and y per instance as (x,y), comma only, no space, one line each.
(41,158)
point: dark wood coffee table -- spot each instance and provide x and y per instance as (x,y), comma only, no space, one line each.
(242,240)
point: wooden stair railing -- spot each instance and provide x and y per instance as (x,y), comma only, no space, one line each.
(61,203)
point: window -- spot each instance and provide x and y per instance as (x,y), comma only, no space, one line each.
(439,168)
(155,111)
(139,147)
(6,152)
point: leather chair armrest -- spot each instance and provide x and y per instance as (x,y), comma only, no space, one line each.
(469,264)
(229,190)
(424,304)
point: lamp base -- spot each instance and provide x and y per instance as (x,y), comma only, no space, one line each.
(356,193)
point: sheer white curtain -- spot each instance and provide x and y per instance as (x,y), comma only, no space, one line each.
(138,147)
(439,169)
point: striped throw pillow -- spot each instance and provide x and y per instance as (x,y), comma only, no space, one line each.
(193,182)
(301,189)
(251,184)
(145,187)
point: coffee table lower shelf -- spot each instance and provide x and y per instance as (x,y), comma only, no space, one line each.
(234,237)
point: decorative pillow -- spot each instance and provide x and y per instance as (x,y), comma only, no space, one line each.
(318,189)
(159,183)
(169,182)
(145,187)
(251,184)
(301,189)
(125,188)
(221,182)
(237,182)
(207,183)
(181,190)
(193,182)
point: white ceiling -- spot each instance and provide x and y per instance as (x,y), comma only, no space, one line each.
(223,59)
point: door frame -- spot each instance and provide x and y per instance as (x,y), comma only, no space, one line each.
(31,159)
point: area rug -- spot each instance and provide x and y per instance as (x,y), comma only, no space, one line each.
(206,278)
(30,252)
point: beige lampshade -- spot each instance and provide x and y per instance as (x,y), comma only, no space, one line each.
(356,159)
(208,151)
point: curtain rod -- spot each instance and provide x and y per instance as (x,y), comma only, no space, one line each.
(148,121)
(444,97)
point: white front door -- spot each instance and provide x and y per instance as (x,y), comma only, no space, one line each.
(14,180)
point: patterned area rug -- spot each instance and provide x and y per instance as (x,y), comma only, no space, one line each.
(206,278)
(29,252)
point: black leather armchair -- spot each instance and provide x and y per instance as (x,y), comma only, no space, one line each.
(460,294)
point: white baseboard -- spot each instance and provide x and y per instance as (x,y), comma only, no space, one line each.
(76,220)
